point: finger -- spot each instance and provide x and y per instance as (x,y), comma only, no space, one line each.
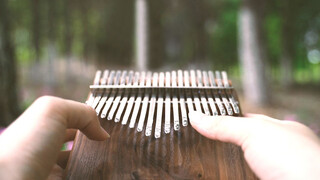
(42,128)
(74,115)
(70,135)
(63,159)
(224,128)
(251,115)
(56,173)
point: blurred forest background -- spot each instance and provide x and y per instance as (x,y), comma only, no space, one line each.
(270,48)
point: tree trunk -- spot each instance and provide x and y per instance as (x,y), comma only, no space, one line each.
(141,24)
(86,37)
(9,108)
(286,58)
(156,34)
(252,52)
(36,28)
(198,18)
(68,38)
(51,46)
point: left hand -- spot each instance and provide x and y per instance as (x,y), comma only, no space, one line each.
(30,146)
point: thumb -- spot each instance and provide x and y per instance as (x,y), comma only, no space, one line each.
(223,128)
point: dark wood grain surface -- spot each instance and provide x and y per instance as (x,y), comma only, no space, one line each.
(128,154)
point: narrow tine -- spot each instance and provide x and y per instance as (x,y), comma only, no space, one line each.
(125,97)
(182,100)
(195,92)
(99,94)
(188,92)
(114,81)
(95,82)
(106,93)
(215,94)
(209,94)
(202,93)
(231,98)
(222,94)
(152,105)
(138,101)
(167,104)
(157,133)
(116,101)
(175,106)
(145,104)
(131,99)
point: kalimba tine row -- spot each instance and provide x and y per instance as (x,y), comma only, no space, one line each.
(145,98)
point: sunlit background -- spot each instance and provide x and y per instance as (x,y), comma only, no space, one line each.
(270,48)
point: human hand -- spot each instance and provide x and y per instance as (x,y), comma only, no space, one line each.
(30,146)
(274,149)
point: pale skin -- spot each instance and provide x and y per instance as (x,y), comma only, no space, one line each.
(30,147)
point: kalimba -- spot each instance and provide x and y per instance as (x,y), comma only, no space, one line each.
(146,115)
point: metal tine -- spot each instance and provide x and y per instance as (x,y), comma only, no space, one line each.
(167,105)
(124,99)
(222,93)
(116,101)
(106,93)
(202,93)
(131,99)
(95,82)
(157,133)
(216,97)
(233,102)
(182,100)
(138,101)
(99,94)
(111,96)
(145,104)
(209,94)
(188,91)
(152,104)
(176,125)
(195,92)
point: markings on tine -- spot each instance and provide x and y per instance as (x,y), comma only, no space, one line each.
(152,105)
(157,133)
(216,97)
(175,106)
(167,104)
(182,100)
(229,93)
(222,94)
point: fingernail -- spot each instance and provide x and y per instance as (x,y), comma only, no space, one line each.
(195,117)
(106,133)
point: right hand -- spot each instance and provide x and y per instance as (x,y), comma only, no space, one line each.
(274,149)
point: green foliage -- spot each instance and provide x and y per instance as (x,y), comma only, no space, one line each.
(223,36)
(273,29)
(206,29)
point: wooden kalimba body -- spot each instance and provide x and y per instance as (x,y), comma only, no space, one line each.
(146,115)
